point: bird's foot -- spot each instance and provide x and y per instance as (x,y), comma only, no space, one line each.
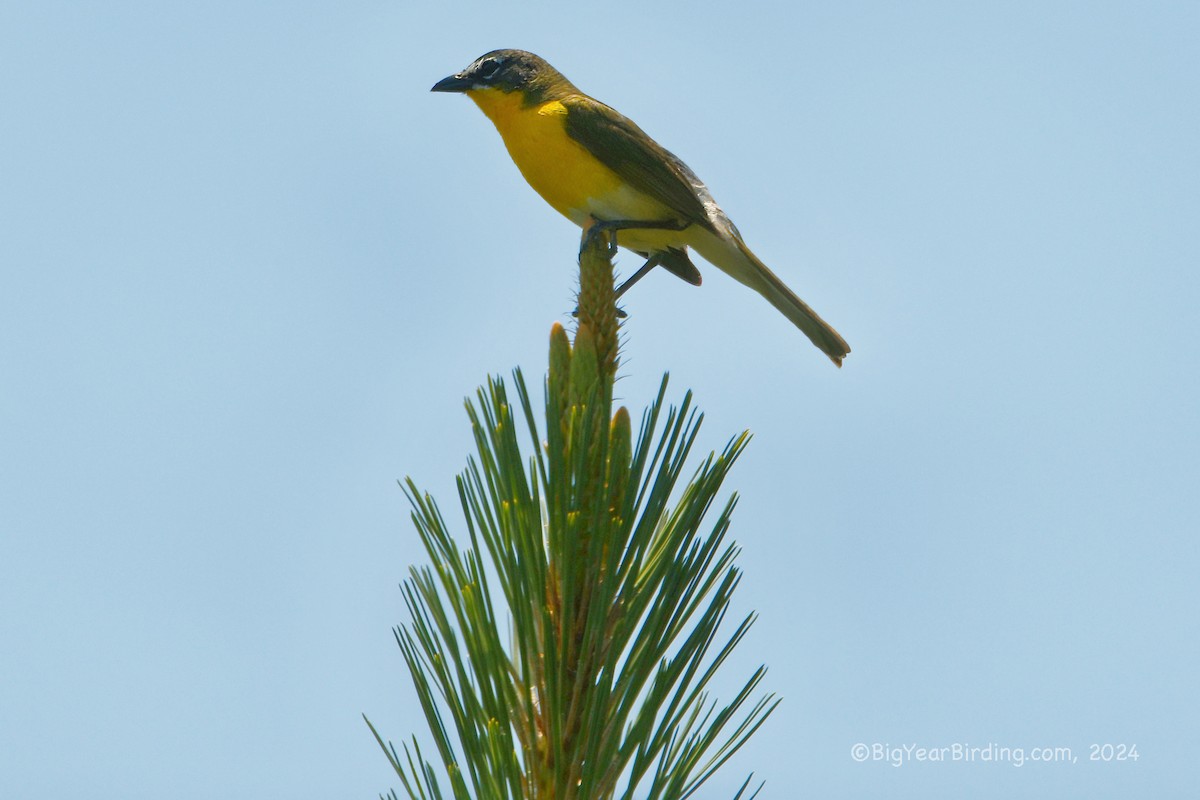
(599,227)
(620,313)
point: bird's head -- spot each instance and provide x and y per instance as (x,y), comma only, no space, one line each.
(509,71)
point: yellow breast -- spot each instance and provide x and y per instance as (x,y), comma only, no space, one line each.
(560,169)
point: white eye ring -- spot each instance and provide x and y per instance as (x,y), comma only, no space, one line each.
(488,68)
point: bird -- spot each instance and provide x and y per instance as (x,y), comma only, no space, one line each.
(600,170)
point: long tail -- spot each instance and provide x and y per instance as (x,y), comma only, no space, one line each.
(733,257)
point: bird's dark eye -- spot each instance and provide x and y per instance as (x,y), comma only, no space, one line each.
(488,68)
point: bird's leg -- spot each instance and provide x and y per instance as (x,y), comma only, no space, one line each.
(600,226)
(650,264)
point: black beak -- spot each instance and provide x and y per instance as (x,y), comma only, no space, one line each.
(455,83)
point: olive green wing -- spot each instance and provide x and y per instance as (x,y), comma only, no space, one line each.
(624,148)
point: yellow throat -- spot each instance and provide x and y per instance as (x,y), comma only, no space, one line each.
(561,170)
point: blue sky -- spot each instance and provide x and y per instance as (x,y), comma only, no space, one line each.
(250,266)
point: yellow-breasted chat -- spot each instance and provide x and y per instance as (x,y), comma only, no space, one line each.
(598,168)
